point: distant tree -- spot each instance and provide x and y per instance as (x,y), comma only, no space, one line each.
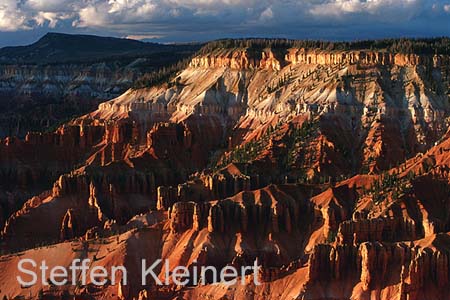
(429,46)
(40,294)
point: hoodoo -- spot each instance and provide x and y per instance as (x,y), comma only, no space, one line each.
(327,164)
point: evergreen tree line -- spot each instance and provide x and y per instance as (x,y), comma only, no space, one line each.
(427,46)
(162,75)
(404,45)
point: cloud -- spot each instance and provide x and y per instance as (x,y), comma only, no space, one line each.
(267,14)
(91,16)
(132,10)
(121,12)
(383,10)
(447,8)
(207,19)
(11,16)
(43,17)
(55,6)
(143,37)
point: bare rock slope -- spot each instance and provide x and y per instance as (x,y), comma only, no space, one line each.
(330,168)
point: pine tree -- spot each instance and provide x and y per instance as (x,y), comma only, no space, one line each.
(41,294)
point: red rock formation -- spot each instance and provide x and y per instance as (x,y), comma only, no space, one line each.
(181,216)
(236,213)
(244,156)
(375,230)
(378,265)
(241,59)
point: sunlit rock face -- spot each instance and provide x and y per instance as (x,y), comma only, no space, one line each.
(329,168)
(367,101)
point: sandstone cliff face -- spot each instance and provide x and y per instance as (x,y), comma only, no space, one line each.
(270,59)
(250,156)
(367,257)
(96,80)
(241,59)
(56,92)
(29,166)
(376,230)
(62,76)
(63,148)
(102,146)
(413,270)
(375,110)
(240,214)
(302,56)
(78,202)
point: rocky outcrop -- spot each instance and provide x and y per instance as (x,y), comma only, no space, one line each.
(359,108)
(269,274)
(224,185)
(219,185)
(78,202)
(268,59)
(69,226)
(94,203)
(305,56)
(377,265)
(328,263)
(168,196)
(181,216)
(66,146)
(235,215)
(165,137)
(252,155)
(376,230)
(69,184)
(29,166)
(418,266)
(427,265)
(241,59)
(42,156)
(99,79)
(374,262)
(234,59)
(119,132)
(60,76)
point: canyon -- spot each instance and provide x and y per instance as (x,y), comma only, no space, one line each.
(61,76)
(330,168)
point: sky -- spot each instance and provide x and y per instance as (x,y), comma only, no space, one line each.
(25,21)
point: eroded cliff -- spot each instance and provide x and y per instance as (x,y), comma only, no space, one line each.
(329,168)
